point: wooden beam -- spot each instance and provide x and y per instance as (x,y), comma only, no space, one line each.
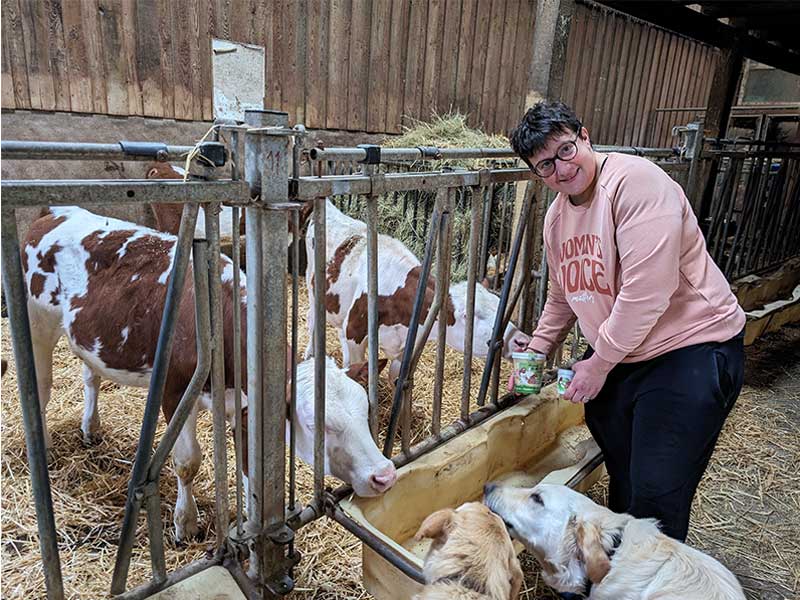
(720,101)
(708,29)
(550,37)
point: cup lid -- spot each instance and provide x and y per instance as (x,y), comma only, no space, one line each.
(523,355)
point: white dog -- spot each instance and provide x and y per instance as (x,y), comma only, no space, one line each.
(587,549)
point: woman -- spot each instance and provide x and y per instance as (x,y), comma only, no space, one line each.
(628,260)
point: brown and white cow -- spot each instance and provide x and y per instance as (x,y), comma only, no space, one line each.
(398,276)
(102,282)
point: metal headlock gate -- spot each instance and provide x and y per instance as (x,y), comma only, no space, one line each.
(265,155)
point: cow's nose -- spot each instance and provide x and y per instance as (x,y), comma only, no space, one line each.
(488,489)
(383,480)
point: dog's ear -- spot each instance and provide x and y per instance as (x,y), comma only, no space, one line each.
(590,547)
(436,525)
(516,576)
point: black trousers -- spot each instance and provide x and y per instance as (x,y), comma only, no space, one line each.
(657,422)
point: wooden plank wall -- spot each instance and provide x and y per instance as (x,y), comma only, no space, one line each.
(620,70)
(360,65)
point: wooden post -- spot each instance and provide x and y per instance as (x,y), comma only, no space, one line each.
(718,111)
(545,82)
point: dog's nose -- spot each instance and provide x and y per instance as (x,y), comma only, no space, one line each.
(488,488)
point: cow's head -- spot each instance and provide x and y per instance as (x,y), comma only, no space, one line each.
(486,306)
(350,452)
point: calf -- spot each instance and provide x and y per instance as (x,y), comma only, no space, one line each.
(398,278)
(102,283)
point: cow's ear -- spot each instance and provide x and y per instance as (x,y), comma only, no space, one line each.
(360,371)
(152,173)
(485,283)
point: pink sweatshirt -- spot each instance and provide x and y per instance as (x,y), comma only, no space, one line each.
(641,288)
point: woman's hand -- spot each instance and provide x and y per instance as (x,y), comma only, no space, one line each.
(590,376)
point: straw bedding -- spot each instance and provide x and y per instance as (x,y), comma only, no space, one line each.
(747,512)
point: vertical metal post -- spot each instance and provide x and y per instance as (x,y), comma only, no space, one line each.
(488,201)
(155,532)
(294,348)
(320,262)
(16,298)
(498,265)
(155,393)
(372,304)
(474,233)
(445,202)
(237,335)
(266,171)
(217,374)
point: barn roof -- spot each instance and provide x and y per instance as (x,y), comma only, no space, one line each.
(763,30)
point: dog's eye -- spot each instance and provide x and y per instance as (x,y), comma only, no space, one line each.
(537,497)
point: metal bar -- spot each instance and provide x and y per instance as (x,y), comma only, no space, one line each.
(155,533)
(154,395)
(32,418)
(53,192)
(410,154)
(202,368)
(24,150)
(474,232)
(416,154)
(488,202)
(237,365)
(149,589)
(377,545)
(293,360)
(747,203)
(320,319)
(218,373)
(443,287)
(274,167)
(496,342)
(308,188)
(372,305)
(411,336)
(729,213)
(750,153)
(500,238)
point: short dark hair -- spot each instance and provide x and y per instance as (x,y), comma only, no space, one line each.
(543,121)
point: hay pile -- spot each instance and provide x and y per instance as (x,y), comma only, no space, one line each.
(396,214)
(746,513)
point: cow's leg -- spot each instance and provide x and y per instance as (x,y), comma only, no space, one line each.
(45,332)
(394,372)
(186,457)
(90,424)
(309,352)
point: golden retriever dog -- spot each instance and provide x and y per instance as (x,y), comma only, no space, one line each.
(472,556)
(587,549)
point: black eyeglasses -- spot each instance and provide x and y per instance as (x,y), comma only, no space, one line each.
(566,152)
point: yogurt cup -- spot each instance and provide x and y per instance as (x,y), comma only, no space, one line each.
(528,370)
(564,377)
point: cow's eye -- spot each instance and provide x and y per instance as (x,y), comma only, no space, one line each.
(537,498)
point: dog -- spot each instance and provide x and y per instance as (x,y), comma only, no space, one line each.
(471,558)
(588,550)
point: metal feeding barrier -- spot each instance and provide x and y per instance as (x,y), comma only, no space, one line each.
(264,155)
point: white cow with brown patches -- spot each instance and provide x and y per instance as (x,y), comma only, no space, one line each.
(103,282)
(398,276)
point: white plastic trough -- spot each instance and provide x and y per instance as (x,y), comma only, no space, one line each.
(541,437)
